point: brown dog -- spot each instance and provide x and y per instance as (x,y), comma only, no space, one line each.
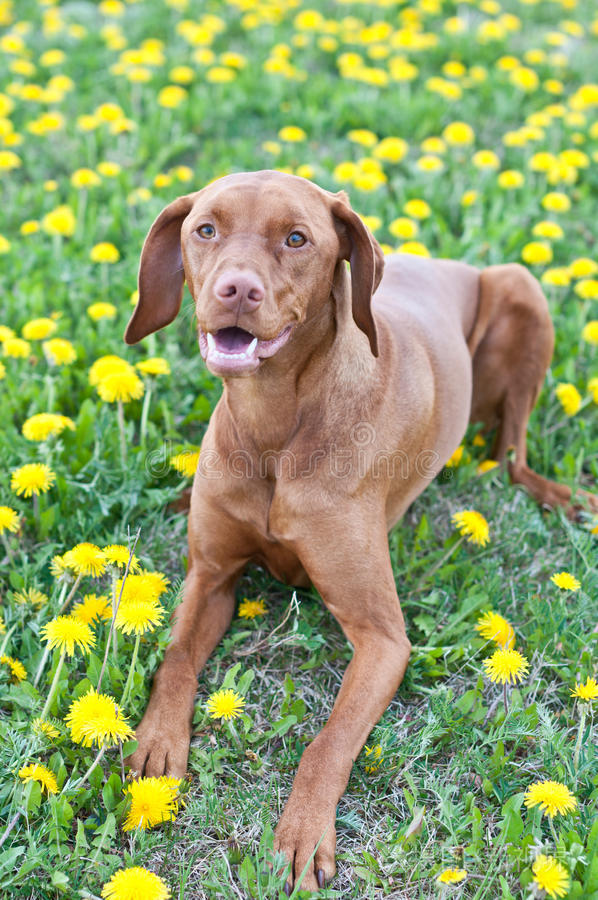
(342,416)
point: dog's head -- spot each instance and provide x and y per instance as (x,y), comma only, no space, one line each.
(259,253)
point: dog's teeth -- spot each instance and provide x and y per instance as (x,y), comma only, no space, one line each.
(251,348)
(211,341)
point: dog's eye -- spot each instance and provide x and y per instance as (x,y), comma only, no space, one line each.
(295,239)
(206,231)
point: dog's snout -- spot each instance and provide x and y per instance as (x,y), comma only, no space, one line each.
(239,290)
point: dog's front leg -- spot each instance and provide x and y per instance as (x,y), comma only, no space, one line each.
(199,622)
(348,561)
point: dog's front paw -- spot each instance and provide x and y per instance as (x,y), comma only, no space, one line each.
(301,830)
(163,746)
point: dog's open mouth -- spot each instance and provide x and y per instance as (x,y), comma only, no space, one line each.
(234,351)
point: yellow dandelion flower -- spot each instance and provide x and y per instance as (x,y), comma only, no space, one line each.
(38,329)
(558,276)
(455,457)
(44,425)
(30,596)
(493,627)
(486,159)
(107,365)
(118,555)
(392,149)
(249,609)
(32,478)
(292,134)
(225,704)
(537,253)
(9,519)
(487,465)
(155,365)
(153,801)
(451,876)
(122,385)
(59,566)
(458,134)
(374,758)
(555,201)
(60,221)
(147,587)
(551,796)
(37,772)
(86,559)
(468,198)
(186,462)
(583,267)
(93,607)
(590,332)
(403,228)
(97,719)
(587,691)
(550,876)
(6,333)
(417,209)
(587,288)
(101,310)
(15,347)
(548,229)
(84,178)
(416,248)
(135,883)
(565,581)
(172,96)
(510,179)
(17,669)
(59,352)
(44,728)
(104,252)
(138,616)
(67,632)
(569,398)
(506,666)
(472,525)
(155,581)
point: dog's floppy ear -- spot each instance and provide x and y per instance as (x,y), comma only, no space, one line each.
(367,264)
(161,274)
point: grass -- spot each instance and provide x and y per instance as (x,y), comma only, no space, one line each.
(448,792)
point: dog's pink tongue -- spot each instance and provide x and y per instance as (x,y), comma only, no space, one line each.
(232,340)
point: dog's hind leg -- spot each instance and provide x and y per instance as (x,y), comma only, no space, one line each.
(511,346)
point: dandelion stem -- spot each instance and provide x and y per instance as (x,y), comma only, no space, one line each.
(46,653)
(234,734)
(115,610)
(36,508)
(50,385)
(11,558)
(505,698)
(145,411)
(53,686)
(98,758)
(131,670)
(553,829)
(7,638)
(424,577)
(71,594)
(10,826)
(580,731)
(121,429)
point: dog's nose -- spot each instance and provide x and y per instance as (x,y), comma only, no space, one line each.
(239,290)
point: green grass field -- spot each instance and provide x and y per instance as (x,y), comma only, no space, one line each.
(459,129)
